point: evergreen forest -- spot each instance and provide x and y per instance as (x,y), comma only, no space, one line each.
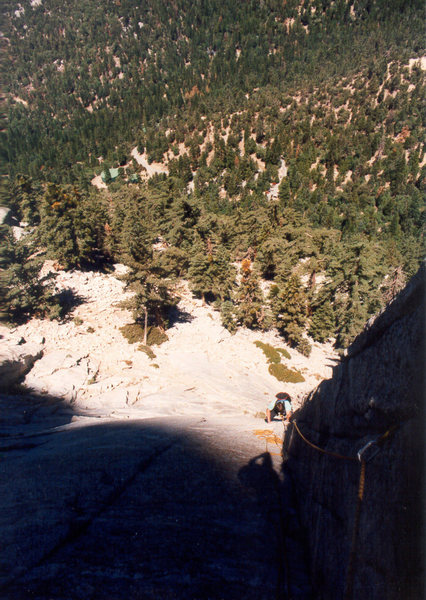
(271,153)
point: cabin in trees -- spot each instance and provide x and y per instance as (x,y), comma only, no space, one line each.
(113,174)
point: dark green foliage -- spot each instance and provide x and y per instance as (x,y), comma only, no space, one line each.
(71,226)
(249,311)
(322,322)
(199,270)
(23,293)
(289,307)
(234,78)
(227,314)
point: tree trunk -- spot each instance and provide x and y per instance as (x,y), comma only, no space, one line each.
(145,330)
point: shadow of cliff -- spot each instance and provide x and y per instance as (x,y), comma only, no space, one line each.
(133,509)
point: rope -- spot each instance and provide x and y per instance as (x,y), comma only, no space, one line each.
(328,452)
(350,574)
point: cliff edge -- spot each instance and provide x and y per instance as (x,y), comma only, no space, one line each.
(377,390)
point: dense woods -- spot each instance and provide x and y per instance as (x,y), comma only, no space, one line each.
(290,141)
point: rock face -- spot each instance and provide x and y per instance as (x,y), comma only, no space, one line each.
(102,509)
(16,359)
(378,388)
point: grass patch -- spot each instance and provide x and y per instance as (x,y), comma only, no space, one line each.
(78,321)
(156,336)
(284,352)
(154,365)
(133,332)
(147,351)
(270,352)
(283,373)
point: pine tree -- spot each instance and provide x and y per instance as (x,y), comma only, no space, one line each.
(68,227)
(322,322)
(23,293)
(249,302)
(222,274)
(199,271)
(289,308)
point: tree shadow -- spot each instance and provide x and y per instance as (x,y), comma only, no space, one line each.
(178,315)
(68,300)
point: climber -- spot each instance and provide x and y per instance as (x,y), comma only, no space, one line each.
(280,406)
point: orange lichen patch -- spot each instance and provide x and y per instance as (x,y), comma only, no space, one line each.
(270,438)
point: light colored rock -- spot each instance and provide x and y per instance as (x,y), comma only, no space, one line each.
(16,359)
(61,375)
(202,368)
(5,213)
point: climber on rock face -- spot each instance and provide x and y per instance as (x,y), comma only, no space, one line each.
(281,405)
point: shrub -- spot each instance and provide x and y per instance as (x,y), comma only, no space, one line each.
(147,351)
(270,352)
(156,336)
(133,332)
(283,373)
(304,347)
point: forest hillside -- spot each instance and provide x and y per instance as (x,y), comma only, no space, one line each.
(271,154)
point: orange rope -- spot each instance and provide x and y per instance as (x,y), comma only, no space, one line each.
(335,454)
(350,573)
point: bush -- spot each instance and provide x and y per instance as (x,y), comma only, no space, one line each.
(147,351)
(156,336)
(134,332)
(284,352)
(283,373)
(270,352)
(304,347)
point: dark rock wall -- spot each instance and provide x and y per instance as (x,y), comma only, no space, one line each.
(379,386)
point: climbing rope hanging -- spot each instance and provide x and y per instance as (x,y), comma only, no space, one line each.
(350,572)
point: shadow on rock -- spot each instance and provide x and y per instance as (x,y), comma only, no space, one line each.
(138,509)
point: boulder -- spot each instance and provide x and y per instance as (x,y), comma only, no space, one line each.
(16,360)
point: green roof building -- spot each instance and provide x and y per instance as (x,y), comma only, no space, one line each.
(113,173)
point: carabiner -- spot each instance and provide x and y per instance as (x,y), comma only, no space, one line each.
(360,454)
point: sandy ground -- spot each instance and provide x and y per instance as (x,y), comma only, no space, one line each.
(151,168)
